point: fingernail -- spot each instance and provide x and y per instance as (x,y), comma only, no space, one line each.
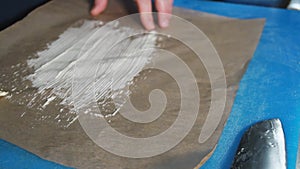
(164,21)
(93,12)
(150,26)
(147,21)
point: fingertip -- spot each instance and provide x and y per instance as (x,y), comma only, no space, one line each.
(163,20)
(150,26)
(99,7)
(94,12)
(145,9)
(164,12)
(147,21)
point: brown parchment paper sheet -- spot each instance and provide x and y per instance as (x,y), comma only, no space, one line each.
(235,40)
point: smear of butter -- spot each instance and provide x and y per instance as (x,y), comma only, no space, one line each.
(100,60)
(3,93)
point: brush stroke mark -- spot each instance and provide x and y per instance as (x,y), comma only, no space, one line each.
(90,46)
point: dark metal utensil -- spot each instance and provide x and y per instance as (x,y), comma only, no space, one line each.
(262,147)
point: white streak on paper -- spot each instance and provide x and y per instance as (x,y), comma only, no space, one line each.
(100,60)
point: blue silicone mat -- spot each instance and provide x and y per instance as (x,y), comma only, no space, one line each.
(13,157)
(270,87)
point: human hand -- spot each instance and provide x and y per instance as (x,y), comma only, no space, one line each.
(164,7)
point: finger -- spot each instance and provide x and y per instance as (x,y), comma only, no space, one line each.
(99,7)
(145,9)
(164,8)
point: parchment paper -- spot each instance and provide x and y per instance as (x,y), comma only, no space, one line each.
(235,40)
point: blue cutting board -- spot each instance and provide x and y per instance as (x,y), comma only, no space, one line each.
(270,87)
